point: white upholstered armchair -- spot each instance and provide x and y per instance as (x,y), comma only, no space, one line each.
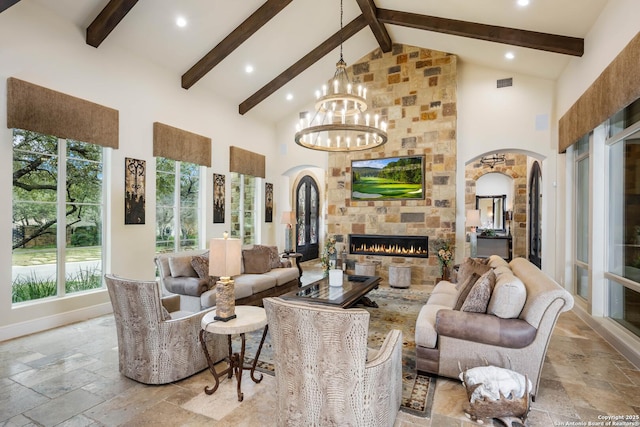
(321,368)
(157,343)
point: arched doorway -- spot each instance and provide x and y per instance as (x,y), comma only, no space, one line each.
(307,218)
(535,215)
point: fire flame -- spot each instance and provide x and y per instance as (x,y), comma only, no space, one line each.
(385,249)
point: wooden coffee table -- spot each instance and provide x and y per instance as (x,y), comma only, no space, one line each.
(353,290)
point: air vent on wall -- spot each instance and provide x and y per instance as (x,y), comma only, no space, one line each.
(505,82)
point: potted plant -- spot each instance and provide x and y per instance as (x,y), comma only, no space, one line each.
(444,251)
(329,255)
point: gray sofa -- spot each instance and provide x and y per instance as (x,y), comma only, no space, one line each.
(264,275)
(513,333)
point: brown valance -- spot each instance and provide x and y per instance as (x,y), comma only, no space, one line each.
(38,109)
(178,144)
(617,87)
(246,162)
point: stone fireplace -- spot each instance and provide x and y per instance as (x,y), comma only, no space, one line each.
(414,90)
(405,246)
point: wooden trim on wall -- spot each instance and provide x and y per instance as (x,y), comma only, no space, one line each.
(246,162)
(38,109)
(617,87)
(177,144)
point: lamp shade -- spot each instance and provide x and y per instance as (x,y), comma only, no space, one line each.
(225,256)
(473,218)
(287,218)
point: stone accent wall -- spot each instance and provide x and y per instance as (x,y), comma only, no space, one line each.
(414,91)
(515,166)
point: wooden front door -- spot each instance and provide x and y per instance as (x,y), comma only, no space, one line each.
(307,218)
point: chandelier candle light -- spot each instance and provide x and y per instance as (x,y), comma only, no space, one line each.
(340,122)
(224,261)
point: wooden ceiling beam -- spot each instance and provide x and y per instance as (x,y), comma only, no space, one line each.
(512,36)
(369,10)
(230,43)
(107,20)
(305,62)
(6,4)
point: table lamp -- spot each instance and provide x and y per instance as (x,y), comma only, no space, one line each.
(508,217)
(287,218)
(473,221)
(225,256)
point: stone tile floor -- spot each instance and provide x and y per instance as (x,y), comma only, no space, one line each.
(69,376)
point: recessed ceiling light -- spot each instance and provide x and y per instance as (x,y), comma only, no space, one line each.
(289,97)
(509,55)
(248,69)
(523,3)
(181,21)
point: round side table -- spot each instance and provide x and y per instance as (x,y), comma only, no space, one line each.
(399,276)
(249,318)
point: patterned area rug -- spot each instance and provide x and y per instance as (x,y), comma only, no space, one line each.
(397,309)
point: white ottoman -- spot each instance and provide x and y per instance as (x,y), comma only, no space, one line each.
(365,269)
(399,276)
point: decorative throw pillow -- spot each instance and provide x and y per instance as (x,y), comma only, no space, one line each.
(256,261)
(468,267)
(274,256)
(200,264)
(480,294)
(508,298)
(502,269)
(497,261)
(180,266)
(465,288)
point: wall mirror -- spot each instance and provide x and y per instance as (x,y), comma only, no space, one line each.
(492,211)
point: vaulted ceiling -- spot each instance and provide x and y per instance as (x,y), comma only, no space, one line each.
(293,45)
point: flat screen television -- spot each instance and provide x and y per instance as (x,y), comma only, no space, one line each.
(391,178)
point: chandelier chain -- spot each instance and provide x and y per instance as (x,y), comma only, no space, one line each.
(341,14)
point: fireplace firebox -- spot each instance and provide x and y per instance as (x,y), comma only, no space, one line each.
(374,244)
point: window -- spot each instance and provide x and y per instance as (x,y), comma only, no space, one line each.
(243,207)
(57,216)
(582,217)
(177,205)
(623,219)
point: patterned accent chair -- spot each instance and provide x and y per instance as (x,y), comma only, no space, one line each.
(322,373)
(158,343)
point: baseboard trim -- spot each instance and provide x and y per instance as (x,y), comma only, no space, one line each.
(622,340)
(44,323)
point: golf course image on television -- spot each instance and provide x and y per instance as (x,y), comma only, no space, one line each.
(388,179)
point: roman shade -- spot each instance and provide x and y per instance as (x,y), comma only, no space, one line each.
(38,109)
(246,162)
(617,87)
(177,144)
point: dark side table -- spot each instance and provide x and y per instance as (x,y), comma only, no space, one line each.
(296,257)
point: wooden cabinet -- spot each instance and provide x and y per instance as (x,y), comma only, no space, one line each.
(495,245)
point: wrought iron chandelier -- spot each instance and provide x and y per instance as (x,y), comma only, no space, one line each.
(340,121)
(493,160)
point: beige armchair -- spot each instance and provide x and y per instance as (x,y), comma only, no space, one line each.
(322,373)
(157,343)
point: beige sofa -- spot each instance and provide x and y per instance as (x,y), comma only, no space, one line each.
(264,275)
(447,339)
